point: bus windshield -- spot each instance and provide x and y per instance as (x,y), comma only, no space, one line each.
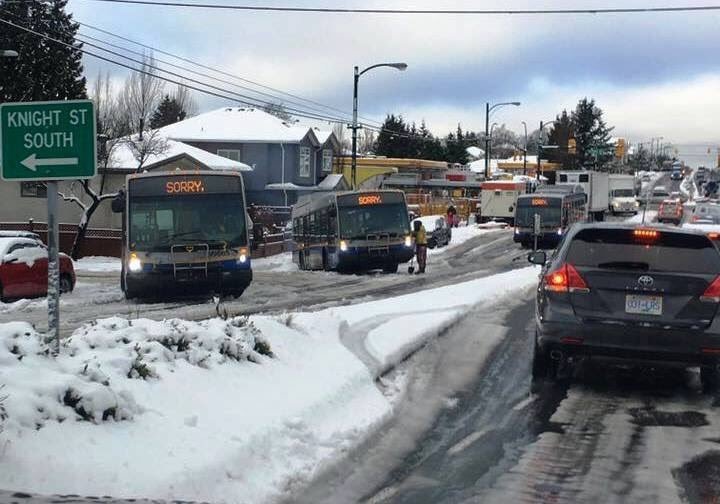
(357,222)
(157,223)
(550,216)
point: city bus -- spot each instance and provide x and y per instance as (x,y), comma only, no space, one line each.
(352,231)
(184,233)
(559,207)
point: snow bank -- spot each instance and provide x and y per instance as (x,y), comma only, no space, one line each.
(650,216)
(98,264)
(185,410)
(279,263)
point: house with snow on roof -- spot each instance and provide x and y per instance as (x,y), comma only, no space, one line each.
(287,160)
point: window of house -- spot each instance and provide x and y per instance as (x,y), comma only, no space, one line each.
(33,190)
(233,154)
(327,160)
(304,168)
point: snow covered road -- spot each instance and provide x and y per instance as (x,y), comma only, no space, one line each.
(468,430)
(277,286)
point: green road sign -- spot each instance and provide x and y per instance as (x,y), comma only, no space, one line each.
(47,140)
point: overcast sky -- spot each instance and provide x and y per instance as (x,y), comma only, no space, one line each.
(653,74)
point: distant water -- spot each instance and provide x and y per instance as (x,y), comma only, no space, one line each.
(697,154)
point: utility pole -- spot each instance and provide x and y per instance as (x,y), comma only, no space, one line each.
(487,139)
(525,149)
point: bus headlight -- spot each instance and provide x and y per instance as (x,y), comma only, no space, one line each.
(134,264)
(408,241)
(559,231)
(243,255)
(343,246)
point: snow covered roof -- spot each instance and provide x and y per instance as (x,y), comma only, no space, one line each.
(236,124)
(123,158)
(331,182)
(322,135)
(475,152)
(479,166)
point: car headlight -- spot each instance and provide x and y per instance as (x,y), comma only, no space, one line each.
(343,246)
(134,264)
(408,241)
(637,204)
(243,255)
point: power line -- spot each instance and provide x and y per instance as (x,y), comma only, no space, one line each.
(250,101)
(82,37)
(491,12)
(206,67)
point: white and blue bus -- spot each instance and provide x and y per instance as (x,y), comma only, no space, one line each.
(352,231)
(184,233)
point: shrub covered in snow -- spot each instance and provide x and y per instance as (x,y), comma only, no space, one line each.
(89,381)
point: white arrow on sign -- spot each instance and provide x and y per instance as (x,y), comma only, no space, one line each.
(32,162)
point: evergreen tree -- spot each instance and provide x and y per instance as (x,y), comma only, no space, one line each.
(393,139)
(44,70)
(560,134)
(592,135)
(169,111)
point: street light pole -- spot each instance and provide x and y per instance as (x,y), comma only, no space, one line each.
(356,78)
(489,147)
(488,111)
(525,149)
(353,164)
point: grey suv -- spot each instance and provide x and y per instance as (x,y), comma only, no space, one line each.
(622,292)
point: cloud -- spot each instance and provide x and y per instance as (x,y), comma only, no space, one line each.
(456,63)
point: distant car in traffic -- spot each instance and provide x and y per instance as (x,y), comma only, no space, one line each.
(676,175)
(705,212)
(643,295)
(24,269)
(656,196)
(671,210)
(439,233)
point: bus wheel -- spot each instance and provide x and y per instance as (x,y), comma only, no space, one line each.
(390,268)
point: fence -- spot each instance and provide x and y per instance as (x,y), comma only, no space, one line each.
(97,242)
(108,242)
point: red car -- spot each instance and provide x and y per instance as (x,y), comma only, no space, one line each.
(24,268)
(670,211)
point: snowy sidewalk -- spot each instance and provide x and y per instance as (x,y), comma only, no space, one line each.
(199,411)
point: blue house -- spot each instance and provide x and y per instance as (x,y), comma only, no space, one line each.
(288,160)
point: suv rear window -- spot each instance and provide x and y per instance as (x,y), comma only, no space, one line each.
(620,249)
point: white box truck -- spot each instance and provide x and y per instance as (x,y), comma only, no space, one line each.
(622,194)
(596,187)
(498,199)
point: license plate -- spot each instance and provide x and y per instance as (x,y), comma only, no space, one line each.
(643,305)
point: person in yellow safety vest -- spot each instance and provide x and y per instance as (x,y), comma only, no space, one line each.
(420,236)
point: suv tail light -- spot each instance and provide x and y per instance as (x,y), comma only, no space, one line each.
(566,279)
(712,293)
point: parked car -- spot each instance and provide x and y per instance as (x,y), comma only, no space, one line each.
(24,269)
(628,293)
(438,231)
(671,210)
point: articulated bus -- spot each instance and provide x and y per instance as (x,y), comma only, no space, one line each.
(352,231)
(559,207)
(184,233)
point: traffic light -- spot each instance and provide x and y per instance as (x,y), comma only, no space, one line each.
(572,146)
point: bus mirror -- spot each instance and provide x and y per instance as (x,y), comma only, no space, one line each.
(118,203)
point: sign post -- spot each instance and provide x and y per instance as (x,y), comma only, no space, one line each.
(49,141)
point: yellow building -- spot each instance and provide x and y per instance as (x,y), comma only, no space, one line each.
(370,170)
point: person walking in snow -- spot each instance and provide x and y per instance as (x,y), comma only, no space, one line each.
(420,236)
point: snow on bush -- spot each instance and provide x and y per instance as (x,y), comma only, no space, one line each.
(89,380)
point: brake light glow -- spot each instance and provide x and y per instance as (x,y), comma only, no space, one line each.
(565,279)
(712,293)
(646,234)
(714,236)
